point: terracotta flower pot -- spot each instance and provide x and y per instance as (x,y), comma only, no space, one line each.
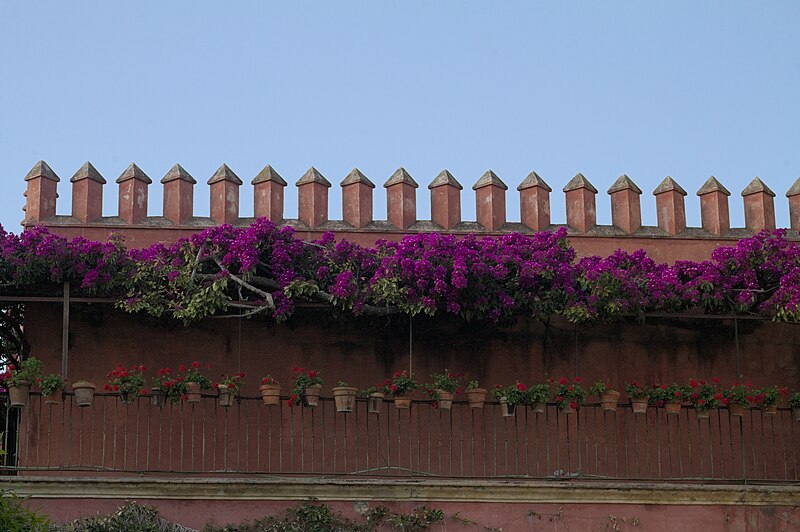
(270,394)
(53,398)
(609,400)
(672,408)
(345,398)
(157,397)
(18,395)
(703,414)
(639,406)
(735,409)
(539,408)
(770,410)
(374,402)
(445,400)
(311,395)
(507,409)
(84,393)
(476,397)
(193,392)
(402,402)
(226,395)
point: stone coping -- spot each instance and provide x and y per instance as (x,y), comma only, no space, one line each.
(402,489)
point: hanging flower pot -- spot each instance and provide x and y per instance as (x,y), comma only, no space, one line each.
(226,395)
(507,409)
(735,409)
(345,398)
(84,393)
(445,399)
(193,392)
(270,393)
(703,414)
(18,394)
(311,395)
(476,397)
(127,396)
(53,398)
(402,402)
(539,407)
(672,408)
(639,406)
(374,402)
(157,397)
(609,400)
(796,414)
(770,410)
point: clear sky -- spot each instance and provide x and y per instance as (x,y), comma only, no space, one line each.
(650,89)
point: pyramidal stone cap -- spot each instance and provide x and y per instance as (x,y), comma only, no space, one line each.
(134,172)
(624,182)
(401,176)
(355,177)
(795,190)
(42,169)
(87,171)
(445,178)
(712,185)
(312,175)
(578,182)
(533,180)
(756,186)
(177,172)
(266,174)
(667,185)
(224,173)
(487,179)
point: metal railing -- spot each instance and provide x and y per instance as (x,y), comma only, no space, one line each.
(250,438)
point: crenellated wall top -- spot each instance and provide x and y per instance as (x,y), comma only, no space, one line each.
(490,193)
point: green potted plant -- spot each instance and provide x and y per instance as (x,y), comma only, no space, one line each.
(794,404)
(129,383)
(668,396)
(609,397)
(344,397)
(21,379)
(569,395)
(475,395)
(307,387)
(375,395)
(166,386)
(537,397)
(228,388)
(444,387)
(767,398)
(510,396)
(270,391)
(52,388)
(638,396)
(704,396)
(736,398)
(195,380)
(401,384)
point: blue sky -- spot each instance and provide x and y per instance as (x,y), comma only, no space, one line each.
(686,89)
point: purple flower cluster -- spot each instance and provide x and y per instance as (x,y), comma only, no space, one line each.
(485,278)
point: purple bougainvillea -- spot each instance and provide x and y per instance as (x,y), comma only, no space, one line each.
(265,268)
